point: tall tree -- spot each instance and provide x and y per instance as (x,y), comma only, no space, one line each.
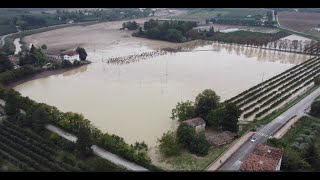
(215,117)
(5,63)
(32,49)
(230,121)
(82,53)
(84,142)
(205,102)
(185,134)
(183,111)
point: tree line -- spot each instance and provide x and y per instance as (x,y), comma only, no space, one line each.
(174,31)
(39,114)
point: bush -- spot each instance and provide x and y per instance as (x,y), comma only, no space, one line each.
(199,145)
(185,134)
(299,140)
(169,145)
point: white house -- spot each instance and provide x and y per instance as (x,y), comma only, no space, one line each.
(198,123)
(71,56)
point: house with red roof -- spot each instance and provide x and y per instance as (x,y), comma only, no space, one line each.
(263,158)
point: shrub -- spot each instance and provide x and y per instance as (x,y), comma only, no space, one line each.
(199,145)
(169,145)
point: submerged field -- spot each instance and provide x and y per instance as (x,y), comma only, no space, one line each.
(125,99)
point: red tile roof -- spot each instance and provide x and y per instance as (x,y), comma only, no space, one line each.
(263,158)
(71,53)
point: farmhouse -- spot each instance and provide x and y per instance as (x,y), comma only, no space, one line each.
(71,56)
(198,123)
(263,158)
(52,57)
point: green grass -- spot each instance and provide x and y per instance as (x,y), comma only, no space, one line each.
(189,162)
(276,113)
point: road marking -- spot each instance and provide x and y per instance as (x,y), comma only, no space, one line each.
(238,162)
(262,134)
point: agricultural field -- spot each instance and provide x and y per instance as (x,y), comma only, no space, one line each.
(305,22)
(202,14)
(257,101)
(23,150)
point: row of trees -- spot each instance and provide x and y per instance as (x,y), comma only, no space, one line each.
(174,31)
(130,25)
(37,115)
(221,116)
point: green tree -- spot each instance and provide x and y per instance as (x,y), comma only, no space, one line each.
(185,134)
(44,47)
(205,102)
(84,142)
(317,80)
(183,111)
(39,118)
(12,104)
(199,145)
(230,121)
(32,49)
(5,63)
(215,116)
(169,145)
(315,109)
(82,53)
(292,161)
(174,35)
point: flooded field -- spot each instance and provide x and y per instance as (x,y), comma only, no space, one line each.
(134,100)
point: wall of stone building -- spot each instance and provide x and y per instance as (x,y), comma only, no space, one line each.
(200,128)
(279,165)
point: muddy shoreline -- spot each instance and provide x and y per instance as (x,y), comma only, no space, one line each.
(43,74)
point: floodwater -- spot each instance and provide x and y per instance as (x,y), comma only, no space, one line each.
(17,44)
(135,100)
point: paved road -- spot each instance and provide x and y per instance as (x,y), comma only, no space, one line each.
(99,151)
(2,39)
(234,163)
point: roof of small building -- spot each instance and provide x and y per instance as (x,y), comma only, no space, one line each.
(70,53)
(263,158)
(195,121)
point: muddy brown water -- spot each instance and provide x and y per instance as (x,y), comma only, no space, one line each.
(135,100)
